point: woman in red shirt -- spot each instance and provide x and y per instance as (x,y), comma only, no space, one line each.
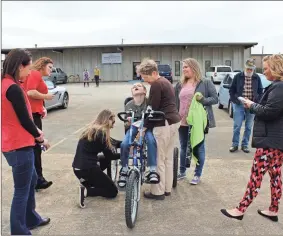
(18,139)
(37,91)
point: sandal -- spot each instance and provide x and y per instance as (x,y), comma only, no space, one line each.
(122,179)
(153,177)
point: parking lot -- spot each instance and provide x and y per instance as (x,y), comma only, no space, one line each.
(189,210)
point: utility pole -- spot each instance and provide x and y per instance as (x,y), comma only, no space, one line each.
(262,49)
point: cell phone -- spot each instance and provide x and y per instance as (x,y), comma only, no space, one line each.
(241,99)
(43,148)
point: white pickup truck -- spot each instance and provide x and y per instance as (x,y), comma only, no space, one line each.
(217,73)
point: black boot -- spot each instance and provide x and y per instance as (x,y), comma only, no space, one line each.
(42,183)
(245,149)
(233,149)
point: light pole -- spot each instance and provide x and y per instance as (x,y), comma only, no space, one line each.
(262,49)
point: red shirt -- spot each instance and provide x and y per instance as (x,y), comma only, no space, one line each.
(14,136)
(35,82)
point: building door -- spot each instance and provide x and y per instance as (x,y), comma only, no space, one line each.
(207,65)
(134,70)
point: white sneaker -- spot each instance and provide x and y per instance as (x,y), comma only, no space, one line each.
(195,180)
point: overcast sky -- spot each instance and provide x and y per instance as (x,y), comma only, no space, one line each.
(53,23)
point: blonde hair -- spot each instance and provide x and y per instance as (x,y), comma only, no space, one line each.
(40,63)
(195,67)
(275,63)
(147,67)
(99,125)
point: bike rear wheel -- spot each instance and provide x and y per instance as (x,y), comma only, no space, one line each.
(175,166)
(132,199)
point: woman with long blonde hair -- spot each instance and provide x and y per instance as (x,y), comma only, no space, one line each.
(191,83)
(88,165)
(268,141)
(37,92)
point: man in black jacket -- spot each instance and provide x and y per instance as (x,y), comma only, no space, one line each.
(246,84)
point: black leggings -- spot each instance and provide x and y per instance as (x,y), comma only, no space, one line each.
(96,80)
(96,181)
(37,149)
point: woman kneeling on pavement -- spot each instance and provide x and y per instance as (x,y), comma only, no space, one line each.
(88,165)
(268,141)
(18,140)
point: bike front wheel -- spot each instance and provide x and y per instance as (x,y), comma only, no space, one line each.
(114,170)
(132,199)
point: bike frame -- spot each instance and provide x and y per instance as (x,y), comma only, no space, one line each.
(137,150)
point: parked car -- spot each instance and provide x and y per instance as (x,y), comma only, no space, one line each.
(217,73)
(61,99)
(57,75)
(166,72)
(224,96)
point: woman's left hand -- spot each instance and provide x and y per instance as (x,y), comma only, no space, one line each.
(247,103)
(199,97)
(46,144)
(44,113)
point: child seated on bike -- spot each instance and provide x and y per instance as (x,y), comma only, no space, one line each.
(138,105)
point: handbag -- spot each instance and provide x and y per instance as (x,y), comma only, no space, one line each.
(207,125)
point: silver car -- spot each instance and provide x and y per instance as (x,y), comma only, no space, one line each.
(61,98)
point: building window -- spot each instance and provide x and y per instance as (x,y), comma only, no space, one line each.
(177,68)
(228,63)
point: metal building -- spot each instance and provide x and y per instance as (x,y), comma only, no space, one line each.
(117,62)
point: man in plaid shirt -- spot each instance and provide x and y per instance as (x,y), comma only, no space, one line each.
(245,84)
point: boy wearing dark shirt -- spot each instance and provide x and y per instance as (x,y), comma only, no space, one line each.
(161,98)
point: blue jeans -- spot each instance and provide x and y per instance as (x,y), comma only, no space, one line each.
(23,215)
(241,114)
(184,138)
(151,147)
(201,155)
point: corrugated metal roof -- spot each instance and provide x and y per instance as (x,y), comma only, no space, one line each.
(245,44)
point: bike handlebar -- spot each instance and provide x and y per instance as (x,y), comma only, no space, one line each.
(123,113)
(149,114)
(158,113)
